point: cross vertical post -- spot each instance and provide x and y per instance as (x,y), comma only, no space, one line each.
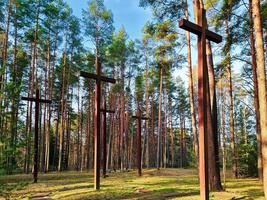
(104,135)
(37,101)
(97,156)
(203,33)
(202,108)
(139,119)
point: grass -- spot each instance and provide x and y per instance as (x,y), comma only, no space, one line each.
(164,184)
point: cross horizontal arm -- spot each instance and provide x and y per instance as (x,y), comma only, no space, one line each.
(196,29)
(35,100)
(95,77)
(107,111)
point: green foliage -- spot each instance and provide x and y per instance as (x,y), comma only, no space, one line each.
(98,22)
(117,50)
(168,9)
(139,87)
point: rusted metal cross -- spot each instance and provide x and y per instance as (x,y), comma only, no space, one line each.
(98,78)
(37,101)
(104,140)
(139,119)
(203,33)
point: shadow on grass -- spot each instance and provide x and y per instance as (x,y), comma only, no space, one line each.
(255,193)
(239,184)
(111,195)
(6,189)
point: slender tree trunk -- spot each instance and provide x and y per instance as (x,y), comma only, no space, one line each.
(231,108)
(109,142)
(256,92)
(181,140)
(153,129)
(78,131)
(122,125)
(147,113)
(223,134)
(62,130)
(261,85)
(47,133)
(191,91)
(15,98)
(3,69)
(159,121)
(171,133)
(88,130)
(165,136)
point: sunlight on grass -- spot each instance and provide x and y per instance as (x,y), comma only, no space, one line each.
(165,183)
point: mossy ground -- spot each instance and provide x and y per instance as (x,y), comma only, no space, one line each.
(163,184)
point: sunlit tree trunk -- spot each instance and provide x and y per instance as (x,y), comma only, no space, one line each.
(231,106)
(153,129)
(256,92)
(159,121)
(3,68)
(261,85)
(15,97)
(223,133)
(147,114)
(171,133)
(191,91)
(165,138)
(181,139)
(62,121)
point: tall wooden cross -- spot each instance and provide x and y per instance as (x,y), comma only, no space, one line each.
(203,33)
(37,101)
(104,135)
(139,119)
(98,78)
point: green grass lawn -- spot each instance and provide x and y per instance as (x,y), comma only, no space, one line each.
(164,184)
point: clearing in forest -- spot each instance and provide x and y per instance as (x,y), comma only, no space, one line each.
(163,184)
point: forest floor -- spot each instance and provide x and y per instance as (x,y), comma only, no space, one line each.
(163,184)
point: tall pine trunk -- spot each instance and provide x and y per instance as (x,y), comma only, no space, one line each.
(147,114)
(191,91)
(261,85)
(256,91)
(159,121)
(62,129)
(231,105)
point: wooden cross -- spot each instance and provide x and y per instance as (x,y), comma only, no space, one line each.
(98,78)
(203,33)
(37,101)
(139,119)
(104,135)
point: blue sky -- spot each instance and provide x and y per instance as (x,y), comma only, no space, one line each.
(126,13)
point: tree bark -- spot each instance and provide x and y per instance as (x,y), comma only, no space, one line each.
(171,133)
(62,130)
(147,113)
(223,133)
(191,92)
(231,106)
(261,85)
(256,91)
(214,120)
(159,121)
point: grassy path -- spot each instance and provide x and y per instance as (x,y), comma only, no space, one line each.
(164,184)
